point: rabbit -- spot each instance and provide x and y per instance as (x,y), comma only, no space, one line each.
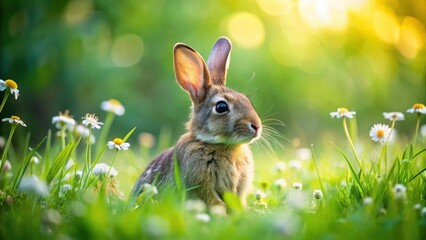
(214,155)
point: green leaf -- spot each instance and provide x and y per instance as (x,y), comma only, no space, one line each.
(233,202)
(23,168)
(355,175)
(61,160)
(416,175)
(128,134)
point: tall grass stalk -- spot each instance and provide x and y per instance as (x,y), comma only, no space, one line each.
(6,95)
(6,149)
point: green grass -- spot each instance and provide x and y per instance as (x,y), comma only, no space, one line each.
(381,197)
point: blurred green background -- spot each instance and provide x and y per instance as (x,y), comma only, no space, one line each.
(298,60)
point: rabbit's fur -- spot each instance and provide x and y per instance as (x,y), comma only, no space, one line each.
(213,156)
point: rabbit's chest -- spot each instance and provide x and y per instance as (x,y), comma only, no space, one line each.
(227,171)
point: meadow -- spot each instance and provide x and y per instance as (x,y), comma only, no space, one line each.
(88,98)
(75,183)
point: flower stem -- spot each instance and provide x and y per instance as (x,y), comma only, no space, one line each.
(106,178)
(4,100)
(104,133)
(6,149)
(345,127)
(417,129)
(63,137)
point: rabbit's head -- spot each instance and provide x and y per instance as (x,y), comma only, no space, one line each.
(219,115)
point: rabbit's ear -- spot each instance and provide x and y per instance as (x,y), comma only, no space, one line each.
(191,71)
(218,61)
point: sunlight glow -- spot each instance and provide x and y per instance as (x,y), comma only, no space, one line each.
(386,25)
(329,14)
(77,11)
(412,37)
(127,50)
(275,7)
(246,30)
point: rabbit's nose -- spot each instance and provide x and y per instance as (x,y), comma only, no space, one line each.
(255,128)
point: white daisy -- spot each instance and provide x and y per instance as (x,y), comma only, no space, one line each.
(82,131)
(101,169)
(12,85)
(14,119)
(92,120)
(417,108)
(119,144)
(394,116)
(380,132)
(63,120)
(113,106)
(342,112)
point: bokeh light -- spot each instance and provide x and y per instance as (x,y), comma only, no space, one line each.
(127,50)
(246,29)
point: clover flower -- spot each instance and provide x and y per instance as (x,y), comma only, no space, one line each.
(92,121)
(423,212)
(423,130)
(280,166)
(380,132)
(295,164)
(367,201)
(7,166)
(394,116)
(417,108)
(119,144)
(303,154)
(33,185)
(317,194)
(113,106)
(150,189)
(14,119)
(12,85)
(342,112)
(63,120)
(399,191)
(202,217)
(297,186)
(280,184)
(101,169)
(195,205)
(64,189)
(218,210)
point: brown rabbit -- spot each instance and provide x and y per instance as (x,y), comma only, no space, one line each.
(213,156)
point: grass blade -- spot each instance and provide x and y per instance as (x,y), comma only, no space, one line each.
(355,175)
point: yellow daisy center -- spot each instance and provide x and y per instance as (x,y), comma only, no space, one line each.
(12,84)
(380,133)
(115,102)
(342,110)
(15,118)
(418,106)
(118,141)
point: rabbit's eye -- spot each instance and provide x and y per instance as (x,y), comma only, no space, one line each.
(221,107)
